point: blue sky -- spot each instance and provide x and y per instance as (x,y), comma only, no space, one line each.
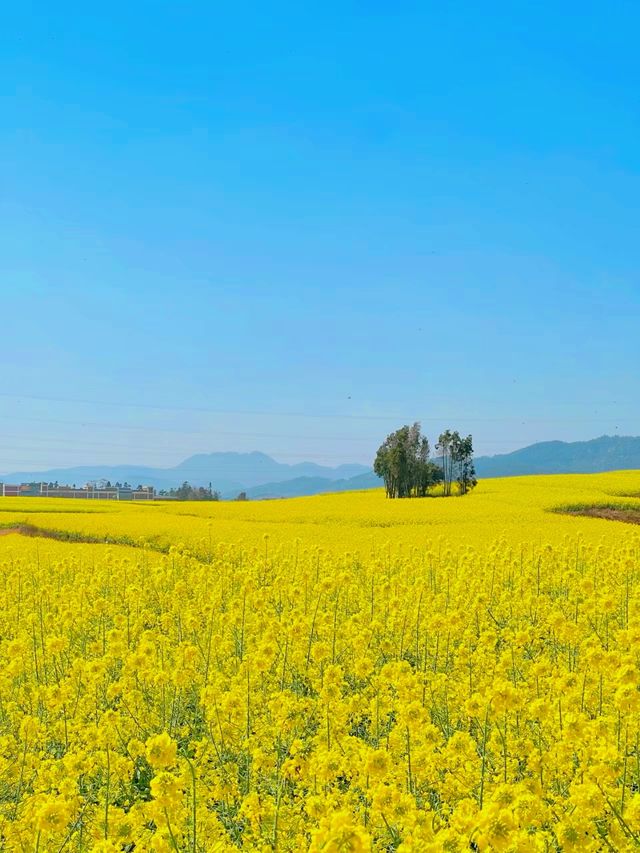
(293,227)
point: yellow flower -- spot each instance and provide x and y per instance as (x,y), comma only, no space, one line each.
(161,751)
(377,764)
(166,789)
(339,834)
(335,698)
(53,816)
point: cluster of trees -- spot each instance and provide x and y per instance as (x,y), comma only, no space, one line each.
(404,462)
(456,454)
(187,492)
(106,484)
(92,484)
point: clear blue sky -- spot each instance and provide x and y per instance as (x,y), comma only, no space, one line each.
(295,226)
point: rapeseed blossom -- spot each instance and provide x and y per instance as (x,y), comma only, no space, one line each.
(444,675)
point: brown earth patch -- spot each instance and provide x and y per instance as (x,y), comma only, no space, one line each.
(70,536)
(30,530)
(629,516)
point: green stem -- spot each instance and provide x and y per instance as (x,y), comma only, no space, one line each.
(171,835)
(194,808)
(106,804)
(484,755)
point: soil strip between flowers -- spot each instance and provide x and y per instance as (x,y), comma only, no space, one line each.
(629,516)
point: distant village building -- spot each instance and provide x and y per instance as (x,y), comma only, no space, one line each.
(90,492)
(21,490)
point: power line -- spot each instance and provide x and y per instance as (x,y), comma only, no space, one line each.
(307,414)
(83,443)
(207,432)
(199,409)
(78,450)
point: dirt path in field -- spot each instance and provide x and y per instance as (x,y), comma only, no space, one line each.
(30,530)
(630,516)
(71,537)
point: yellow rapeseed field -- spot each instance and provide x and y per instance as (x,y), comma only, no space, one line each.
(336,673)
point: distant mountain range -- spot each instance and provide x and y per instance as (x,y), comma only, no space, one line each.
(260,476)
(607,453)
(229,473)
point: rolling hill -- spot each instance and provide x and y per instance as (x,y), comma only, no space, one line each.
(260,476)
(229,473)
(607,453)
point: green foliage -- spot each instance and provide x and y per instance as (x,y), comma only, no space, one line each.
(403,463)
(456,454)
(187,492)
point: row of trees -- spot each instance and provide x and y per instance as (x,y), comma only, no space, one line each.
(456,454)
(187,492)
(96,484)
(404,462)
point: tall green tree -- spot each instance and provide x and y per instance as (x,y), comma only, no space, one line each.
(462,455)
(444,446)
(403,463)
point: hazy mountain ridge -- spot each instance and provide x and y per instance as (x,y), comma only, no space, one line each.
(229,473)
(260,476)
(314,485)
(606,453)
